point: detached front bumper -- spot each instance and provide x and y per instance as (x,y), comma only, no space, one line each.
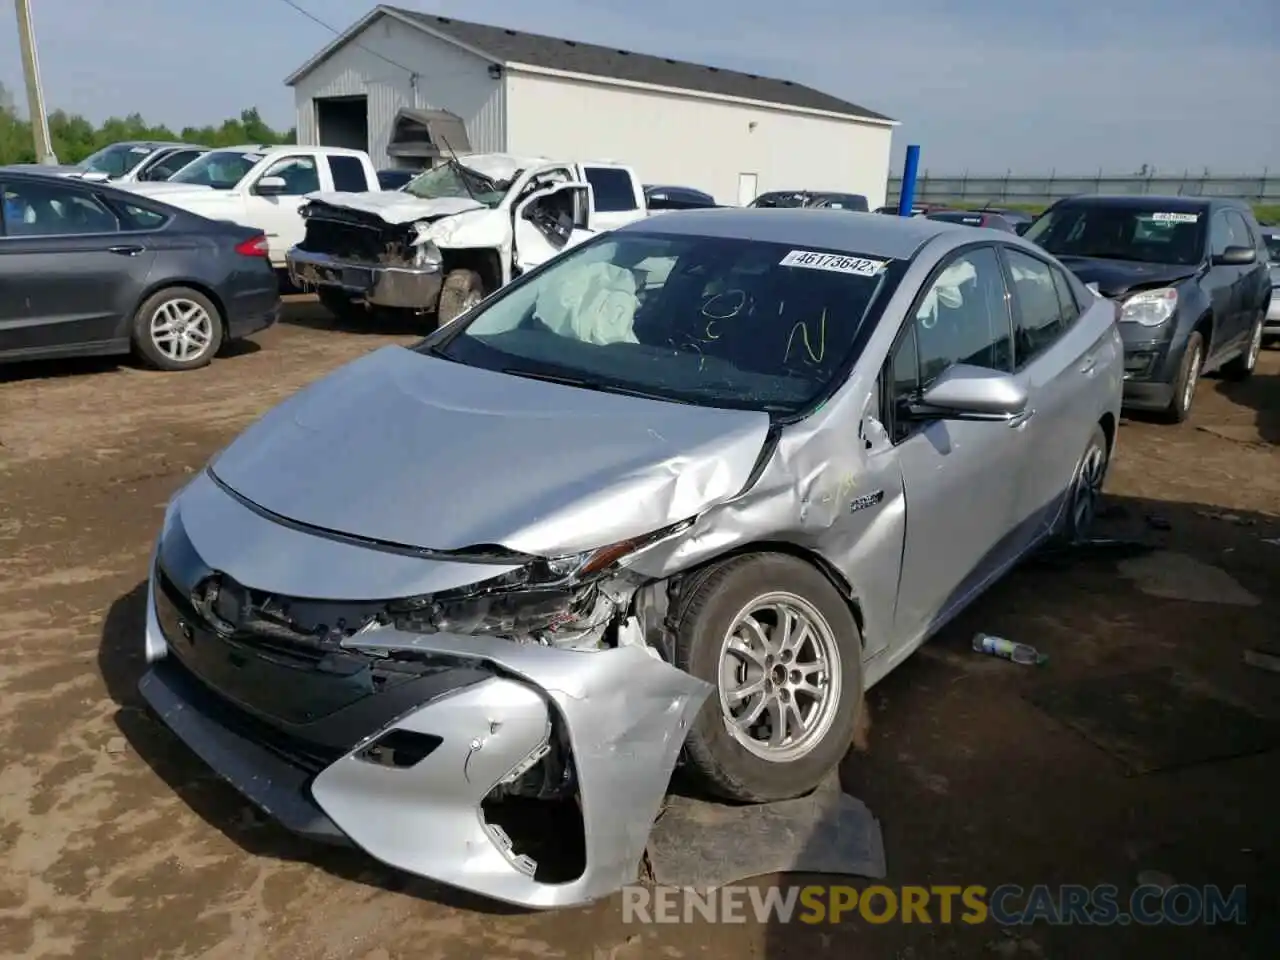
(410,288)
(480,716)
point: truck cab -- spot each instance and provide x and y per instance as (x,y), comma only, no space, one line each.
(457,232)
(263,186)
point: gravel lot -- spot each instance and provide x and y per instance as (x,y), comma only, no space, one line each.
(118,843)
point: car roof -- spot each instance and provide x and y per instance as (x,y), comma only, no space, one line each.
(867,233)
(1143,201)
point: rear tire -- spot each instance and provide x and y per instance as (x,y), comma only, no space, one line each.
(1184,387)
(344,309)
(462,289)
(1086,490)
(816,678)
(177,328)
(1242,367)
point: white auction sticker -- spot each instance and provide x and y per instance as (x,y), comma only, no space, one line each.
(1175,217)
(835,262)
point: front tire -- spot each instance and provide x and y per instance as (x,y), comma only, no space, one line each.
(461,290)
(1184,387)
(782,648)
(177,329)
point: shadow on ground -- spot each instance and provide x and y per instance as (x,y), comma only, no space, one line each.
(121,663)
(307,311)
(1261,394)
(976,786)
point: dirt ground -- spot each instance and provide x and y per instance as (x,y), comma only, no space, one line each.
(116,842)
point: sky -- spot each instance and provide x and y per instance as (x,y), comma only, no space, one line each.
(983,86)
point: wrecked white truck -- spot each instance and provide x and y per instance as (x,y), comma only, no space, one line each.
(455,233)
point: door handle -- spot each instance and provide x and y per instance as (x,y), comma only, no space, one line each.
(125,250)
(1021,418)
(1089,365)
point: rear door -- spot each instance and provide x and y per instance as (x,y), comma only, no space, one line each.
(1059,356)
(619,197)
(550,221)
(960,478)
(69,275)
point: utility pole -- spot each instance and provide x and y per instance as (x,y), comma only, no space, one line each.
(35,96)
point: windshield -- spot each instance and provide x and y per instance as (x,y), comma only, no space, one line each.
(1273,247)
(453,180)
(115,160)
(705,320)
(220,169)
(1145,235)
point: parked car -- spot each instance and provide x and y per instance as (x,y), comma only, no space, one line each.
(86,268)
(666,535)
(1019,219)
(1271,237)
(1189,275)
(917,209)
(807,198)
(133,161)
(263,186)
(658,197)
(395,179)
(973,218)
(456,233)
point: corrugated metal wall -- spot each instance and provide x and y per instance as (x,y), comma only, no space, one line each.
(698,143)
(448,79)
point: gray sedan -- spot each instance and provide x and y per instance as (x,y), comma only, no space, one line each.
(683,493)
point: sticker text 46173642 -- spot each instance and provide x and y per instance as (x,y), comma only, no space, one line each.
(833,262)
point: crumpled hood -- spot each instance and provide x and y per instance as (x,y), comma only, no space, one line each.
(1115,278)
(414,450)
(395,206)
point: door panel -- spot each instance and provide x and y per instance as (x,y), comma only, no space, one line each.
(277,214)
(63,281)
(550,221)
(959,478)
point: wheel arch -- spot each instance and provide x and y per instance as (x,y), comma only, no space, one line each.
(152,289)
(687,580)
(483,260)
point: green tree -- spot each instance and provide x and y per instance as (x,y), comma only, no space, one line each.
(74,137)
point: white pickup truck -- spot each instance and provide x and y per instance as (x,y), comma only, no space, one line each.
(457,232)
(263,187)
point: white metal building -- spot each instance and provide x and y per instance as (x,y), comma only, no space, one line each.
(401,84)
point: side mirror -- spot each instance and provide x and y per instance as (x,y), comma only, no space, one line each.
(271,186)
(1236,257)
(965,392)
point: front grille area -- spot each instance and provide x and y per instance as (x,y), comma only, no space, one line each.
(349,241)
(302,753)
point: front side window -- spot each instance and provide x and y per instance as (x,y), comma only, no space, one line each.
(167,167)
(614,189)
(705,320)
(964,317)
(1121,232)
(1273,247)
(454,181)
(1239,234)
(220,169)
(300,175)
(51,210)
(115,160)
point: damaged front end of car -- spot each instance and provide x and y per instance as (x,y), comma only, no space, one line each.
(507,731)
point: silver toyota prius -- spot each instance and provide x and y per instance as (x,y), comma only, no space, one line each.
(679,496)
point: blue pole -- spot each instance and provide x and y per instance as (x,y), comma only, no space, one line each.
(907,195)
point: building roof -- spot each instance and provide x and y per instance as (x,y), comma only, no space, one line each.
(515,48)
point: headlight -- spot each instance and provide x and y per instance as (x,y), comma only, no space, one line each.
(426,254)
(556,599)
(1150,308)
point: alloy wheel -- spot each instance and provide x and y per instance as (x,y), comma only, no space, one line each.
(181,329)
(779,677)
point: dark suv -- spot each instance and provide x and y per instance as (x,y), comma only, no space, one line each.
(808,198)
(1189,275)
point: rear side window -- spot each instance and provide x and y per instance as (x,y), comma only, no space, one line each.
(613,188)
(348,175)
(1038,320)
(133,217)
(1066,297)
